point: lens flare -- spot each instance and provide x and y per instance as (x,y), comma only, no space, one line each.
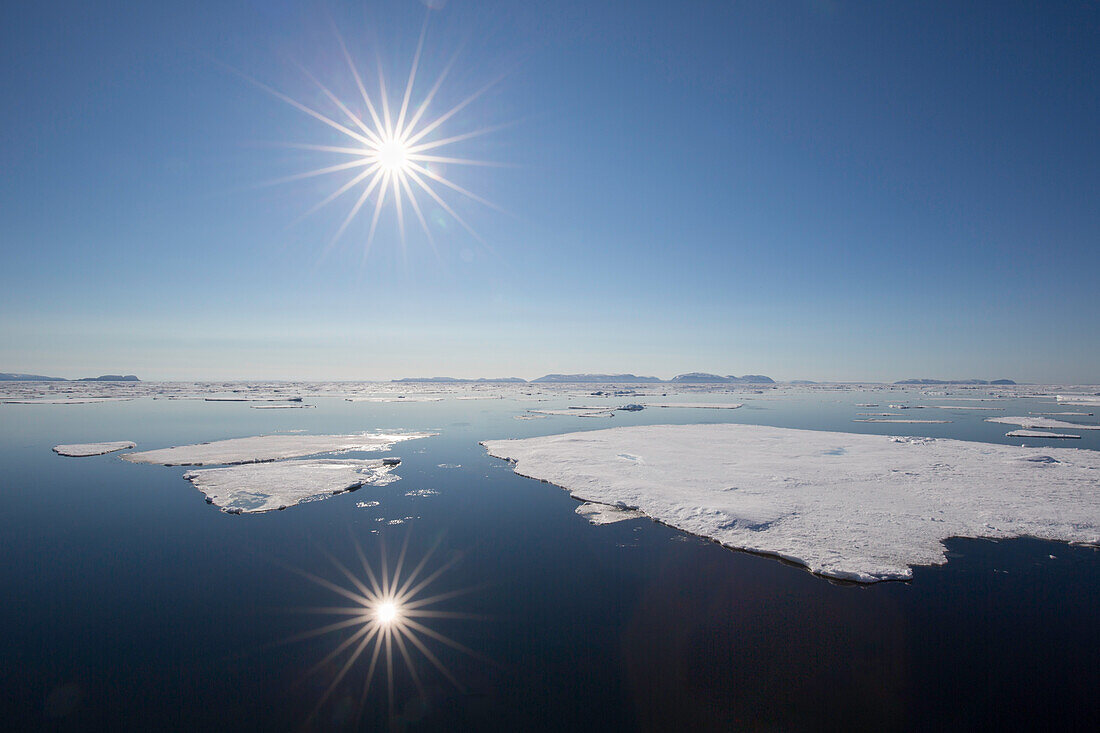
(394,149)
(389,611)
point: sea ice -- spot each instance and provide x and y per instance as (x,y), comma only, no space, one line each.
(1041,422)
(1037,434)
(605,513)
(80,450)
(911,422)
(261,487)
(1078,399)
(845,505)
(263,448)
(700,405)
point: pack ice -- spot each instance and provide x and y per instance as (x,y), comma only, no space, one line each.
(850,506)
(261,448)
(261,487)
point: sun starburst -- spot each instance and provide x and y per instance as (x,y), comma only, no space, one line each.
(394,151)
(388,611)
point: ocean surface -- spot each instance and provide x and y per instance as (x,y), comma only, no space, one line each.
(129,603)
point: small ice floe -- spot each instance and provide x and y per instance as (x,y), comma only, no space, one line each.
(1059,414)
(1041,422)
(288,406)
(263,448)
(868,512)
(366,504)
(576,412)
(699,405)
(911,422)
(632,407)
(262,487)
(530,417)
(866,404)
(605,513)
(81,450)
(1037,434)
(1079,399)
(879,414)
(968,408)
(449,465)
(66,400)
(422,492)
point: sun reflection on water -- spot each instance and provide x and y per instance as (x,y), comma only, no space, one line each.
(386,620)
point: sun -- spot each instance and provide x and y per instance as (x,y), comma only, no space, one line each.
(386,621)
(393,157)
(386,613)
(393,151)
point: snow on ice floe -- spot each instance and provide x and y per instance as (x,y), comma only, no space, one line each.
(81,450)
(262,487)
(700,405)
(845,505)
(1038,434)
(264,448)
(908,422)
(1041,422)
(605,513)
(1079,399)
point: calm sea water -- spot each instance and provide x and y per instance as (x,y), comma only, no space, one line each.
(129,603)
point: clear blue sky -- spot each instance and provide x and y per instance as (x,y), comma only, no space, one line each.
(805,189)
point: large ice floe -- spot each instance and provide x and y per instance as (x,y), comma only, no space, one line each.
(848,506)
(82,450)
(264,448)
(262,487)
(1041,422)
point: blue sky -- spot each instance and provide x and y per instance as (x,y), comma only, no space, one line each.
(820,190)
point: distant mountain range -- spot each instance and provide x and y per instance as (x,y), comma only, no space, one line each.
(601,378)
(451,380)
(704,378)
(8,377)
(955,381)
(692,378)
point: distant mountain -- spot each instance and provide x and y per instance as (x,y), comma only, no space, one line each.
(705,378)
(6,377)
(699,378)
(451,380)
(600,378)
(111,378)
(955,381)
(754,379)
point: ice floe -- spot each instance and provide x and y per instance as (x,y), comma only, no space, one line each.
(908,422)
(700,405)
(1078,399)
(605,513)
(262,487)
(1038,434)
(81,450)
(263,448)
(1041,422)
(845,505)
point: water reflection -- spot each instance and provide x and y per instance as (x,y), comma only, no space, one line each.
(386,620)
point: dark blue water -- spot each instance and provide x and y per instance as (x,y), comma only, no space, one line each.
(129,603)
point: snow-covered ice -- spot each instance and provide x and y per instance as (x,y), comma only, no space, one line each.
(1038,434)
(910,422)
(700,405)
(81,450)
(263,448)
(1079,399)
(845,505)
(262,487)
(1041,422)
(605,513)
